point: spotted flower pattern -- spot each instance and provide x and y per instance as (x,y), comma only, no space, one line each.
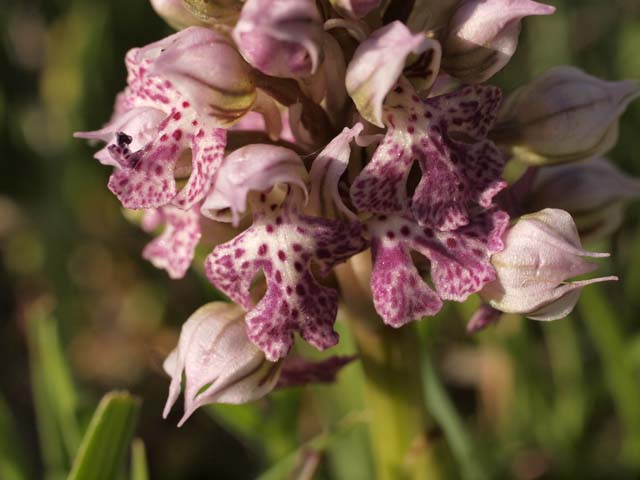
(309,132)
(446,136)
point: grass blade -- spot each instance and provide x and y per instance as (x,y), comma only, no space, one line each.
(54,394)
(105,444)
(601,319)
(300,459)
(139,469)
(439,405)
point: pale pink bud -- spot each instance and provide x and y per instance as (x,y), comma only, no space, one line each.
(252,168)
(282,38)
(219,363)
(378,62)
(594,192)
(563,115)
(175,13)
(542,251)
(206,67)
(483,36)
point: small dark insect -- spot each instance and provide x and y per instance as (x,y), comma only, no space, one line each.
(123,139)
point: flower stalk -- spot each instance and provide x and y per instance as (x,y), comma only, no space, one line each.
(391,365)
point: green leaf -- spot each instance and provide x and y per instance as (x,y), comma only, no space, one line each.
(105,444)
(54,394)
(307,455)
(139,469)
(602,320)
(14,464)
(439,405)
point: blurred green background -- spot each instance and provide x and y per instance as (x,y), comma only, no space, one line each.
(81,313)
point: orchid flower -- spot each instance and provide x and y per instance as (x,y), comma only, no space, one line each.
(312,145)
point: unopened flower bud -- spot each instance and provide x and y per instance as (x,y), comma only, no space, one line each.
(594,192)
(220,364)
(175,13)
(542,251)
(208,70)
(483,36)
(563,115)
(282,38)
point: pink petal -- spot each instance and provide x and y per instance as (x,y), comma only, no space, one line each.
(174,249)
(483,36)
(207,70)
(255,167)
(282,38)
(327,168)
(195,99)
(146,179)
(399,293)
(377,64)
(142,124)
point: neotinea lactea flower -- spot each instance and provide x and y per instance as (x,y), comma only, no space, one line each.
(310,135)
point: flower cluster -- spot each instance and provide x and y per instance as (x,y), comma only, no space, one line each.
(317,130)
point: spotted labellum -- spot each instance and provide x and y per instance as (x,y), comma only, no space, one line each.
(311,132)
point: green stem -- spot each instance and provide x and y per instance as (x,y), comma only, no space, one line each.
(393,388)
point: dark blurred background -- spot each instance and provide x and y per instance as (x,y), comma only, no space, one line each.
(558,400)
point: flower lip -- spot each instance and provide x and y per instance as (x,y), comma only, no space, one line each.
(457,176)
